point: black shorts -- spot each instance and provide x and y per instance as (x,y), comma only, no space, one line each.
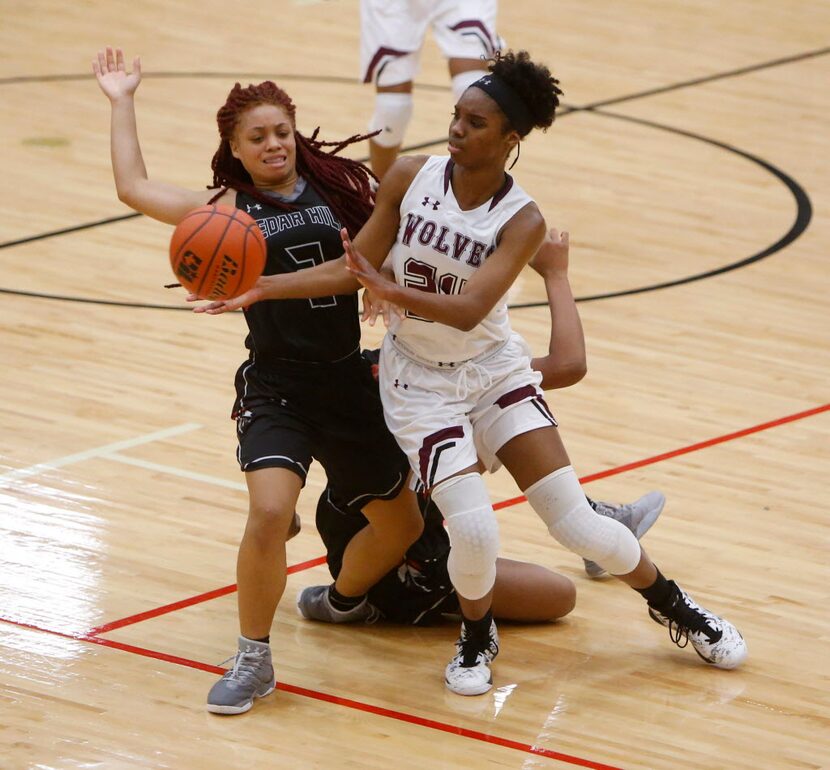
(417,592)
(288,414)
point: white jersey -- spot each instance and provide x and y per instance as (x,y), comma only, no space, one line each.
(438,248)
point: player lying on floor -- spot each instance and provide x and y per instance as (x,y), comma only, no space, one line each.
(419,591)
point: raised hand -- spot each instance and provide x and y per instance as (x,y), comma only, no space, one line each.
(552,256)
(112,74)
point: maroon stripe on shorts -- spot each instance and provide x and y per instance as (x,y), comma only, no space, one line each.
(477,28)
(380,54)
(515,396)
(431,443)
(544,407)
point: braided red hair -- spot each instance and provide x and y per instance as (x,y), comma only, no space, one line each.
(343,183)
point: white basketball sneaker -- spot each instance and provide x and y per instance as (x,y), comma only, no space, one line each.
(468,673)
(715,639)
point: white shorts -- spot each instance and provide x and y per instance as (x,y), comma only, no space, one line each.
(392,34)
(445,419)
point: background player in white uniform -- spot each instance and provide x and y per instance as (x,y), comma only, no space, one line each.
(392,35)
(485,388)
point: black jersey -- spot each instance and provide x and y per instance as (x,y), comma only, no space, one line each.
(321,329)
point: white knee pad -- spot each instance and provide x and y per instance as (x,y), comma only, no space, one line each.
(560,502)
(473,531)
(393,112)
(460,83)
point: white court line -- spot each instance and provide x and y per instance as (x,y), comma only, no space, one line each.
(33,470)
(177,472)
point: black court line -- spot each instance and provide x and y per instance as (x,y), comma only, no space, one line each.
(210,76)
(802,221)
(804,214)
(73,229)
(710,78)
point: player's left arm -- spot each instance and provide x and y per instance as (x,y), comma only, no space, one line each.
(519,241)
(566,362)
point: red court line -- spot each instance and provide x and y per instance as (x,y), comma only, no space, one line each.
(399,716)
(207,596)
(497,506)
(684,450)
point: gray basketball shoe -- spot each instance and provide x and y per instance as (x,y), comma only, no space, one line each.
(252,676)
(715,639)
(468,673)
(314,604)
(637,516)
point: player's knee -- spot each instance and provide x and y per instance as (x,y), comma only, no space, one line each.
(563,600)
(473,531)
(269,521)
(393,111)
(559,501)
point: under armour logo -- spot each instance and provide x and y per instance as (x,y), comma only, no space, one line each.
(400,384)
(255,207)
(427,201)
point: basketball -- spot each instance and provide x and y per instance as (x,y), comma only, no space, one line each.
(217,252)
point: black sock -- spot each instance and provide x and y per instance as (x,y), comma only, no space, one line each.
(479,630)
(591,502)
(264,640)
(658,593)
(343,603)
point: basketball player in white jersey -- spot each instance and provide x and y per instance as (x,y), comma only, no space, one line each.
(456,382)
(392,35)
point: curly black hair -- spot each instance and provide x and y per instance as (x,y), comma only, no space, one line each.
(533,84)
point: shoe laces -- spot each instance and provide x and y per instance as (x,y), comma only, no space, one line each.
(245,664)
(686,617)
(472,650)
(617,512)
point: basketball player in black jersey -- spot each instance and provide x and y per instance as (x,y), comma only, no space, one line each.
(304,391)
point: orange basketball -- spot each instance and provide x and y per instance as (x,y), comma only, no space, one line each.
(217,252)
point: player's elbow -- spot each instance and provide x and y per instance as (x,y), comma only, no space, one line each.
(467,318)
(563,375)
(129,194)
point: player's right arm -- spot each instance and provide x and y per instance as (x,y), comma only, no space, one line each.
(165,202)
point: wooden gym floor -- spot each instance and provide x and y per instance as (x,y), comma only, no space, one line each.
(692,172)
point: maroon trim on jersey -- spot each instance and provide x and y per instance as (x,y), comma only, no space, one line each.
(448,175)
(429,463)
(500,195)
(497,198)
(477,29)
(380,54)
(514,396)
